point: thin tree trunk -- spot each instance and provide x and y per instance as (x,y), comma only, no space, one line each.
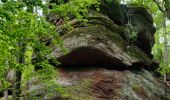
(165,54)
(165,57)
(48,6)
(11,77)
(164,77)
(14,94)
(6,95)
(16,86)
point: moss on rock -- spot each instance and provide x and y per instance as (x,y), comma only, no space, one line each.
(96,18)
(135,52)
(99,33)
(80,91)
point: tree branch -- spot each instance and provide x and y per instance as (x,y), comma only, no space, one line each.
(162,10)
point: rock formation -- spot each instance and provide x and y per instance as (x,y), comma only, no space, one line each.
(104,61)
(102,42)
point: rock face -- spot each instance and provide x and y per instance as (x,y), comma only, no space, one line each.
(144,24)
(103,63)
(103,84)
(102,43)
(93,47)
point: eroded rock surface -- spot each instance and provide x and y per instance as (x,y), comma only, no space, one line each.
(103,84)
(101,42)
(103,61)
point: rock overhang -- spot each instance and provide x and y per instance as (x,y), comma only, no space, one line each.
(102,42)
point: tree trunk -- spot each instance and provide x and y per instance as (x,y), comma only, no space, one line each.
(165,53)
(6,95)
(14,94)
(16,86)
(165,77)
(165,58)
(21,60)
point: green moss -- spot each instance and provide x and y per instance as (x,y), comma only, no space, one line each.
(81,91)
(139,90)
(135,52)
(98,33)
(97,18)
(136,87)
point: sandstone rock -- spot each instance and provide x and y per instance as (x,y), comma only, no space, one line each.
(96,45)
(101,64)
(102,42)
(102,84)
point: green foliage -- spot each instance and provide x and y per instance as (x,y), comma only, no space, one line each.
(133,30)
(136,87)
(111,1)
(30,4)
(75,8)
(159,51)
(20,38)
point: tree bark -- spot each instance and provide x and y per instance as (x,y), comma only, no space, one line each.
(165,53)
(21,60)
(165,58)
(16,86)
(6,95)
